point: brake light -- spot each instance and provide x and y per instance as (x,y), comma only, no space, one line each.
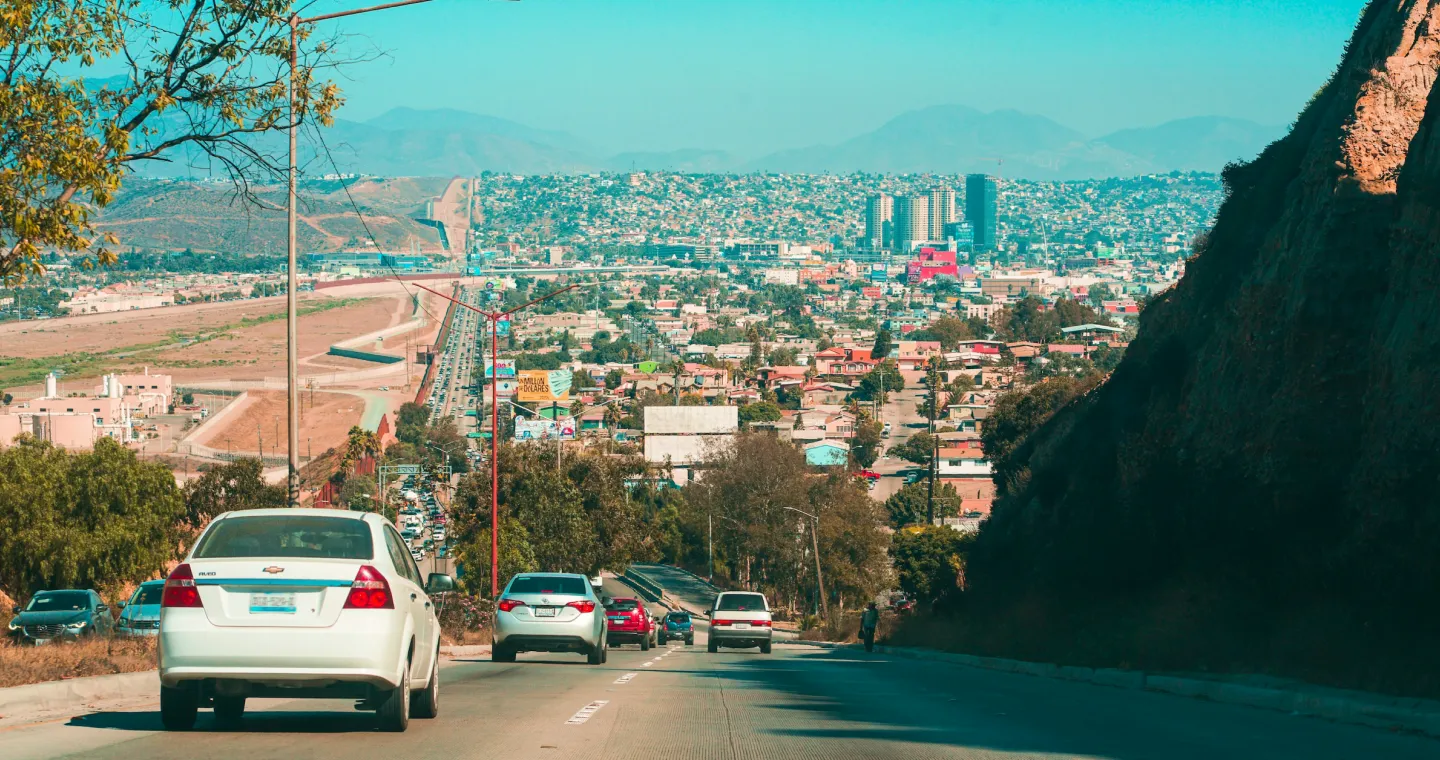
(722,622)
(582,606)
(369,591)
(761,623)
(509,604)
(180,588)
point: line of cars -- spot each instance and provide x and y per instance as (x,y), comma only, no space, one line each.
(68,614)
(421,521)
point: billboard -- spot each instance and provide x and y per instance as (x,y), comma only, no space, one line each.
(544,430)
(544,387)
(507,368)
(506,388)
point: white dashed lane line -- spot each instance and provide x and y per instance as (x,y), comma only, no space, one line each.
(625,678)
(586,712)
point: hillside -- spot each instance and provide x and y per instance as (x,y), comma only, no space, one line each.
(1254,488)
(210,217)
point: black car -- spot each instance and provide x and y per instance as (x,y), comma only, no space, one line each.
(62,614)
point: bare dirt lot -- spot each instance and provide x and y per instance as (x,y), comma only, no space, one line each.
(323,423)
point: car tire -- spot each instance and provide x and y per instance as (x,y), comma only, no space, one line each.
(394,713)
(712,647)
(765,648)
(644,643)
(596,655)
(501,654)
(178,706)
(425,703)
(689,641)
(229,710)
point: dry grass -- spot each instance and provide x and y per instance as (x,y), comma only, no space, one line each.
(93,656)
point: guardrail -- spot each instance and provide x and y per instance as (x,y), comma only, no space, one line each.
(652,591)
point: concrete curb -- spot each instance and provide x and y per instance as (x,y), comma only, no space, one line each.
(1374,710)
(76,692)
(466,650)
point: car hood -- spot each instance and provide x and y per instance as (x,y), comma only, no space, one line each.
(52,617)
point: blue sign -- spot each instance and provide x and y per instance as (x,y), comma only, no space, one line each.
(502,328)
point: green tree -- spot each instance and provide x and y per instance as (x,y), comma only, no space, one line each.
(1100,293)
(948,330)
(231,487)
(201,88)
(613,379)
(1018,414)
(882,345)
(1027,320)
(930,560)
(1072,313)
(360,493)
(910,505)
(187,398)
(760,411)
(865,446)
(97,519)
(885,375)
(918,448)
(359,443)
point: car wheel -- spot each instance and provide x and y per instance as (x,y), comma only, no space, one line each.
(426,703)
(644,643)
(765,648)
(501,654)
(394,712)
(596,655)
(689,640)
(178,706)
(712,647)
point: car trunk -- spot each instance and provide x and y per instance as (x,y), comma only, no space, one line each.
(546,608)
(256,592)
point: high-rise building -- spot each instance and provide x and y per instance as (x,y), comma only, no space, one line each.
(879,211)
(912,221)
(981,191)
(942,212)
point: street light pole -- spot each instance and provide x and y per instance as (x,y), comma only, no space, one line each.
(815,544)
(495,317)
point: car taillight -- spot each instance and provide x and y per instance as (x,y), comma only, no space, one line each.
(369,591)
(582,606)
(722,622)
(761,623)
(509,604)
(180,588)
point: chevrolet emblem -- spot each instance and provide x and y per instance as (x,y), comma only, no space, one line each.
(273,569)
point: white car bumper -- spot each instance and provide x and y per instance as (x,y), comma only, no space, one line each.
(583,630)
(357,649)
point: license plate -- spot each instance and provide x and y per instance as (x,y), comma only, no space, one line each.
(281,603)
(742,626)
(544,612)
(618,619)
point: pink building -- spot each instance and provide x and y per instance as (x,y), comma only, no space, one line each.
(76,422)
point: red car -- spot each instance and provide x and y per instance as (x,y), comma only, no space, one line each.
(629,623)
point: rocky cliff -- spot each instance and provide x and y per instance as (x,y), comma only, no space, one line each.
(1258,484)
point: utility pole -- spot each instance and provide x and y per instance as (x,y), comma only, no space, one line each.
(932,379)
(259,443)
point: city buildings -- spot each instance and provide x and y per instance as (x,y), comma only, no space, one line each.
(942,212)
(879,218)
(912,221)
(981,210)
(76,421)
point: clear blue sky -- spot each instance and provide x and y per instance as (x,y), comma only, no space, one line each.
(753,77)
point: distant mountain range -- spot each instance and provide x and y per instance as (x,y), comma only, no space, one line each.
(945,139)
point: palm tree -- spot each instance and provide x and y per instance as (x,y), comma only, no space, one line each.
(359,443)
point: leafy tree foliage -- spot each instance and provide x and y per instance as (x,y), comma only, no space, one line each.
(917,448)
(869,387)
(1018,414)
(231,487)
(883,344)
(760,411)
(1027,320)
(97,519)
(613,379)
(865,446)
(910,505)
(930,561)
(1072,313)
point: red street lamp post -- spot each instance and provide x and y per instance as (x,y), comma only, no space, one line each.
(495,317)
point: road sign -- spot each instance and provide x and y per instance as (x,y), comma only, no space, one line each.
(405,469)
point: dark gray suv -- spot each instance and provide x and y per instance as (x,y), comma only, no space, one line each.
(63,614)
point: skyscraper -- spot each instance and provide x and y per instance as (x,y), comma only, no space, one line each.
(912,221)
(879,210)
(980,196)
(942,212)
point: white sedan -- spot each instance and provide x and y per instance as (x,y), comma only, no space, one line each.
(299,603)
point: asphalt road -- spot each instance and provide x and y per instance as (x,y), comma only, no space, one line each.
(679,702)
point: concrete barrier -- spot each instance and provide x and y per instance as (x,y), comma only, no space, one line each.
(17,701)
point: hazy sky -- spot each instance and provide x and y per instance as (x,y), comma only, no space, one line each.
(752,76)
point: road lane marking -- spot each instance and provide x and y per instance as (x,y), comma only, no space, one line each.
(648,664)
(626,678)
(586,712)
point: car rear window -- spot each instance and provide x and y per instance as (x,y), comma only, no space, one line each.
(623,605)
(55,601)
(679,617)
(148,595)
(299,536)
(741,603)
(548,584)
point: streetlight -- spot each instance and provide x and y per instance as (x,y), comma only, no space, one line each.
(495,317)
(815,542)
(292,356)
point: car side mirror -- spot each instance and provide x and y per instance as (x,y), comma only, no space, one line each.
(707,613)
(121,605)
(15,609)
(438,582)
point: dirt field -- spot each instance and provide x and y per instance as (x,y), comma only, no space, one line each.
(322,425)
(96,333)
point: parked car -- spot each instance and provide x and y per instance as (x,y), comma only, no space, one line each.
(140,615)
(678,625)
(299,603)
(549,612)
(740,619)
(61,614)
(629,622)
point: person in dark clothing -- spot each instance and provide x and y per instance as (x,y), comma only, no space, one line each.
(869,621)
